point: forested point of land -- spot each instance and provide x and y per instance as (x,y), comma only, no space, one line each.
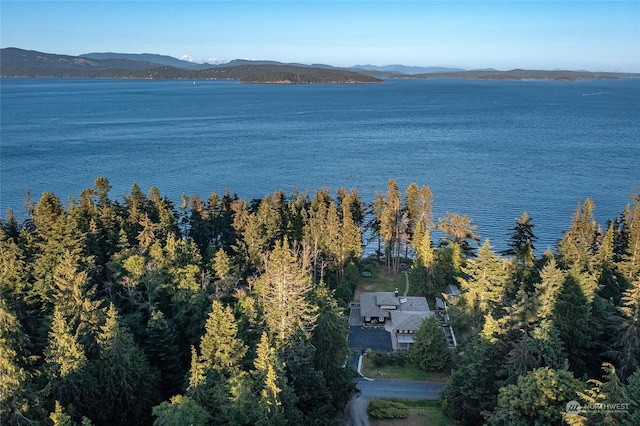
(229,311)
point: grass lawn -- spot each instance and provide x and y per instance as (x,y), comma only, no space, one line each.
(402,373)
(421,413)
(378,281)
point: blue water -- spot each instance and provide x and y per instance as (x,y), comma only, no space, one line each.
(487,149)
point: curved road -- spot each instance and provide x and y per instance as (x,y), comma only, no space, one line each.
(389,389)
(399,389)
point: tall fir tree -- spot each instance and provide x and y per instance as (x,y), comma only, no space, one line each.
(484,288)
(66,367)
(579,245)
(163,352)
(76,297)
(269,378)
(283,292)
(127,385)
(221,350)
(627,343)
(18,399)
(329,338)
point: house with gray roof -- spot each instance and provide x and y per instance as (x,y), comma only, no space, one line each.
(401,315)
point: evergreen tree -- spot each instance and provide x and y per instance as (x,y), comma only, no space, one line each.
(429,350)
(56,234)
(630,263)
(127,385)
(306,399)
(283,290)
(314,233)
(632,389)
(539,398)
(349,240)
(484,289)
(540,347)
(221,351)
(226,273)
(610,391)
(137,206)
(579,244)
(197,378)
(76,298)
(180,411)
(214,372)
(571,315)
(163,353)
(392,224)
(418,208)
(59,417)
(547,291)
(66,366)
(17,398)
(13,270)
(163,214)
(627,343)
(606,265)
(474,383)
(521,242)
(448,264)
(329,339)
(425,257)
(269,376)
(548,348)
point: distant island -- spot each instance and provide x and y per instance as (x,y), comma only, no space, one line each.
(25,63)
(518,74)
(16,62)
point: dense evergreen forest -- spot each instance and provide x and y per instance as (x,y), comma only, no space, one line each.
(228,311)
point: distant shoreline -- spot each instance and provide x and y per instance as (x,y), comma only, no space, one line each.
(287,82)
(523,75)
(19,63)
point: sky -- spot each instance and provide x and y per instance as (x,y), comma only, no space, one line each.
(576,35)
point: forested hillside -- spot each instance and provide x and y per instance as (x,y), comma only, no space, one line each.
(228,311)
(26,63)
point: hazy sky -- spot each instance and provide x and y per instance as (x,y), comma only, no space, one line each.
(589,35)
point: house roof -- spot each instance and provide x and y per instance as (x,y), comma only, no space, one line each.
(408,321)
(451,290)
(370,304)
(369,307)
(414,304)
(386,298)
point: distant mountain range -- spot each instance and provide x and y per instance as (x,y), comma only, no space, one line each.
(148,58)
(16,62)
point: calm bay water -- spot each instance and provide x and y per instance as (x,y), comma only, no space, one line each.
(487,149)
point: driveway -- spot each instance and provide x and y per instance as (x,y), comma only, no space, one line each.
(376,339)
(399,389)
